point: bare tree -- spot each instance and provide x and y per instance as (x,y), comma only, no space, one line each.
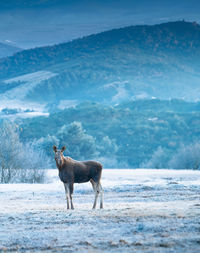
(187,157)
(159,159)
(19,162)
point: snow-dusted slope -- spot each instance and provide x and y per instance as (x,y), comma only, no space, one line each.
(15,98)
(29,81)
(144,211)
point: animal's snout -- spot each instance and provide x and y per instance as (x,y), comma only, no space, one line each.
(57,159)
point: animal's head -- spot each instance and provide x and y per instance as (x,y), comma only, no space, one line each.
(59,154)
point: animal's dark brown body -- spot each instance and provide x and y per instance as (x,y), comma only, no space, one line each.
(72,171)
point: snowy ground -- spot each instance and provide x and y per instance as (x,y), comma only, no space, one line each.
(144,211)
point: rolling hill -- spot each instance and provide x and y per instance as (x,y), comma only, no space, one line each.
(73,19)
(122,64)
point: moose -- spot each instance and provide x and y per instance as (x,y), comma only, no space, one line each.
(72,171)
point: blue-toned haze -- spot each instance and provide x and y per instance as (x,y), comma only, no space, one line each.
(127,96)
(29,24)
(115,81)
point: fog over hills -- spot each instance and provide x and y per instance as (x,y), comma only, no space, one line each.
(134,62)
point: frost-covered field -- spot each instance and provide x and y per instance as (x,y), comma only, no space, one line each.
(144,211)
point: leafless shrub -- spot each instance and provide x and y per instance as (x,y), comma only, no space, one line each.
(187,157)
(19,162)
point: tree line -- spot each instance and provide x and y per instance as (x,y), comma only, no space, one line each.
(125,135)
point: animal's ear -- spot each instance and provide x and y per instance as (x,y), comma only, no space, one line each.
(54,148)
(63,148)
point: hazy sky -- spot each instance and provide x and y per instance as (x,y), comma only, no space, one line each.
(26,23)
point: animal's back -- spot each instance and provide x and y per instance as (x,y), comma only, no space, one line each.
(86,170)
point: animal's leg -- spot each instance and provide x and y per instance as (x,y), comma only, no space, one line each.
(96,190)
(67,194)
(71,188)
(101,195)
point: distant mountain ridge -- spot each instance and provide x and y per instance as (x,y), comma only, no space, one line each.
(178,36)
(128,63)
